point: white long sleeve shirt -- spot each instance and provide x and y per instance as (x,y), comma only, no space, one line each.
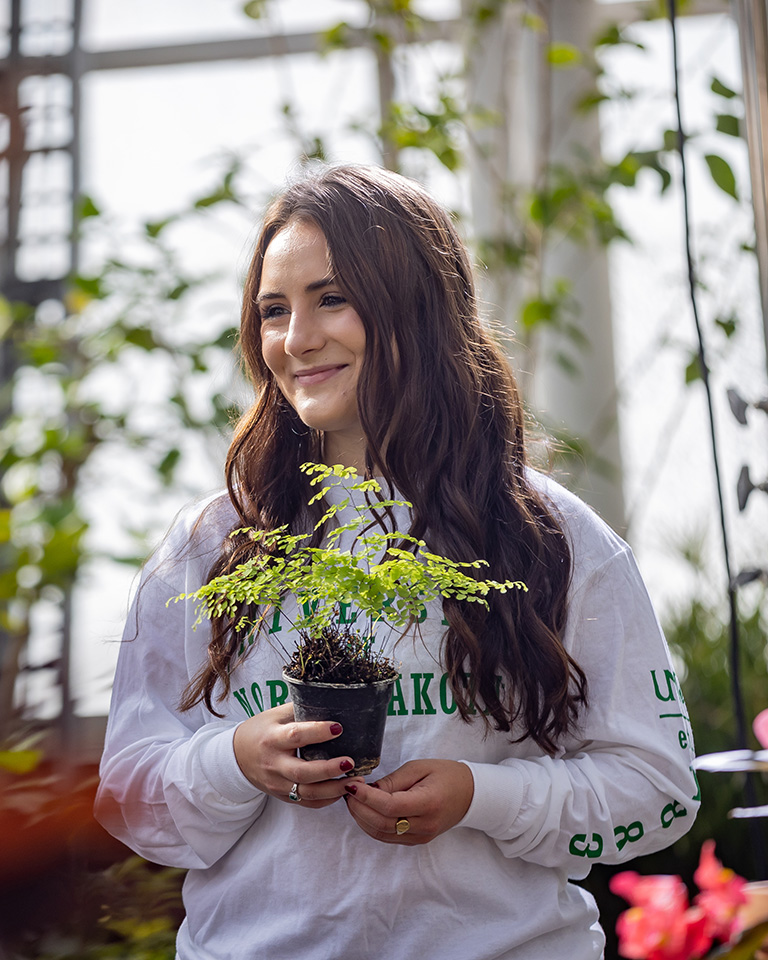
(269,880)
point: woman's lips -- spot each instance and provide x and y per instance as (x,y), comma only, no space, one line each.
(317,374)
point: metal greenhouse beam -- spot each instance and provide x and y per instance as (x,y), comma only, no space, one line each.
(509,76)
(752,18)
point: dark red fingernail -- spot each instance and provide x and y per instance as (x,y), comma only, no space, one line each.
(346,765)
(336,729)
(351,788)
(376,785)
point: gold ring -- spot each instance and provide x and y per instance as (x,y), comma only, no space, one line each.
(402,826)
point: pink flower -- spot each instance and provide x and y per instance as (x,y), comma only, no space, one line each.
(722,893)
(760,727)
(660,925)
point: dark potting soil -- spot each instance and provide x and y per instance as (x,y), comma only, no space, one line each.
(338,656)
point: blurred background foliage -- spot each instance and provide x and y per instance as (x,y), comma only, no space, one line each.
(66,890)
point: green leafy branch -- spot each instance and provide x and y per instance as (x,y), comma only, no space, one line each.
(387,575)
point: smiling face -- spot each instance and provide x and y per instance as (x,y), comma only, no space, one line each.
(312,339)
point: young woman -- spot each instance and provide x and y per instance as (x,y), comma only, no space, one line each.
(524,743)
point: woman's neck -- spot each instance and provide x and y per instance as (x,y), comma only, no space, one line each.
(348,451)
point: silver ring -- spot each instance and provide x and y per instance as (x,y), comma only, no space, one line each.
(294,794)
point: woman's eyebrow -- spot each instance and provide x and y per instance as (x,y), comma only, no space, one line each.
(315,285)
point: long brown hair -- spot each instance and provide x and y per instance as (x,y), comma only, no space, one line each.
(444,426)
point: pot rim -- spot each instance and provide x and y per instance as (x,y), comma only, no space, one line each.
(337,686)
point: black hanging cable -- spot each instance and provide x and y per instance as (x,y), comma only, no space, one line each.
(733,623)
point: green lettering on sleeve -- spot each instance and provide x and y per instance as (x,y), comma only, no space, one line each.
(671,812)
(671,683)
(697,796)
(630,834)
(579,847)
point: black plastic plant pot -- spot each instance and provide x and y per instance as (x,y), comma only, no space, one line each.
(361,709)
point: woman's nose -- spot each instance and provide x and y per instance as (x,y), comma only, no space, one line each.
(304,334)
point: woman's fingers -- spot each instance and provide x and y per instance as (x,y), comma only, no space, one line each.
(265,747)
(297,734)
(318,794)
(414,804)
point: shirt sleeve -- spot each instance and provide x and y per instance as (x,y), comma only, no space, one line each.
(625,786)
(170,787)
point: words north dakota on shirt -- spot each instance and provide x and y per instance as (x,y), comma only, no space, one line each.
(414,694)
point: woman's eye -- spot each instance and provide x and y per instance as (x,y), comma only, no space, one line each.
(274,310)
(332,300)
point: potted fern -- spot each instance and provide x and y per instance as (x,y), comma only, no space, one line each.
(336,673)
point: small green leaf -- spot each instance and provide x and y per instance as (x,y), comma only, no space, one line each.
(535,312)
(89,285)
(671,139)
(722,174)
(727,123)
(335,38)
(141,337)
(178,290)
(610,36)
(87,208)
(625,172)
(718,87)
(563,55)
(218,196)
(154,228)
(567,364)
(255,9)
(484,10)
(532,21)
(613,37)
(727,324)
(5,526)
(227,339)
(314,149)
(384,41)
(168,464)
(693,370)
(590,100)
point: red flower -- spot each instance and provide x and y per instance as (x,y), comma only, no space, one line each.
(722,893)
(660,924)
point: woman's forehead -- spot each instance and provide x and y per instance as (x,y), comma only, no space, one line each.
(297,247)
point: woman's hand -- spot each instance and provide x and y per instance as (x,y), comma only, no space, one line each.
(265,750)
(431,795)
